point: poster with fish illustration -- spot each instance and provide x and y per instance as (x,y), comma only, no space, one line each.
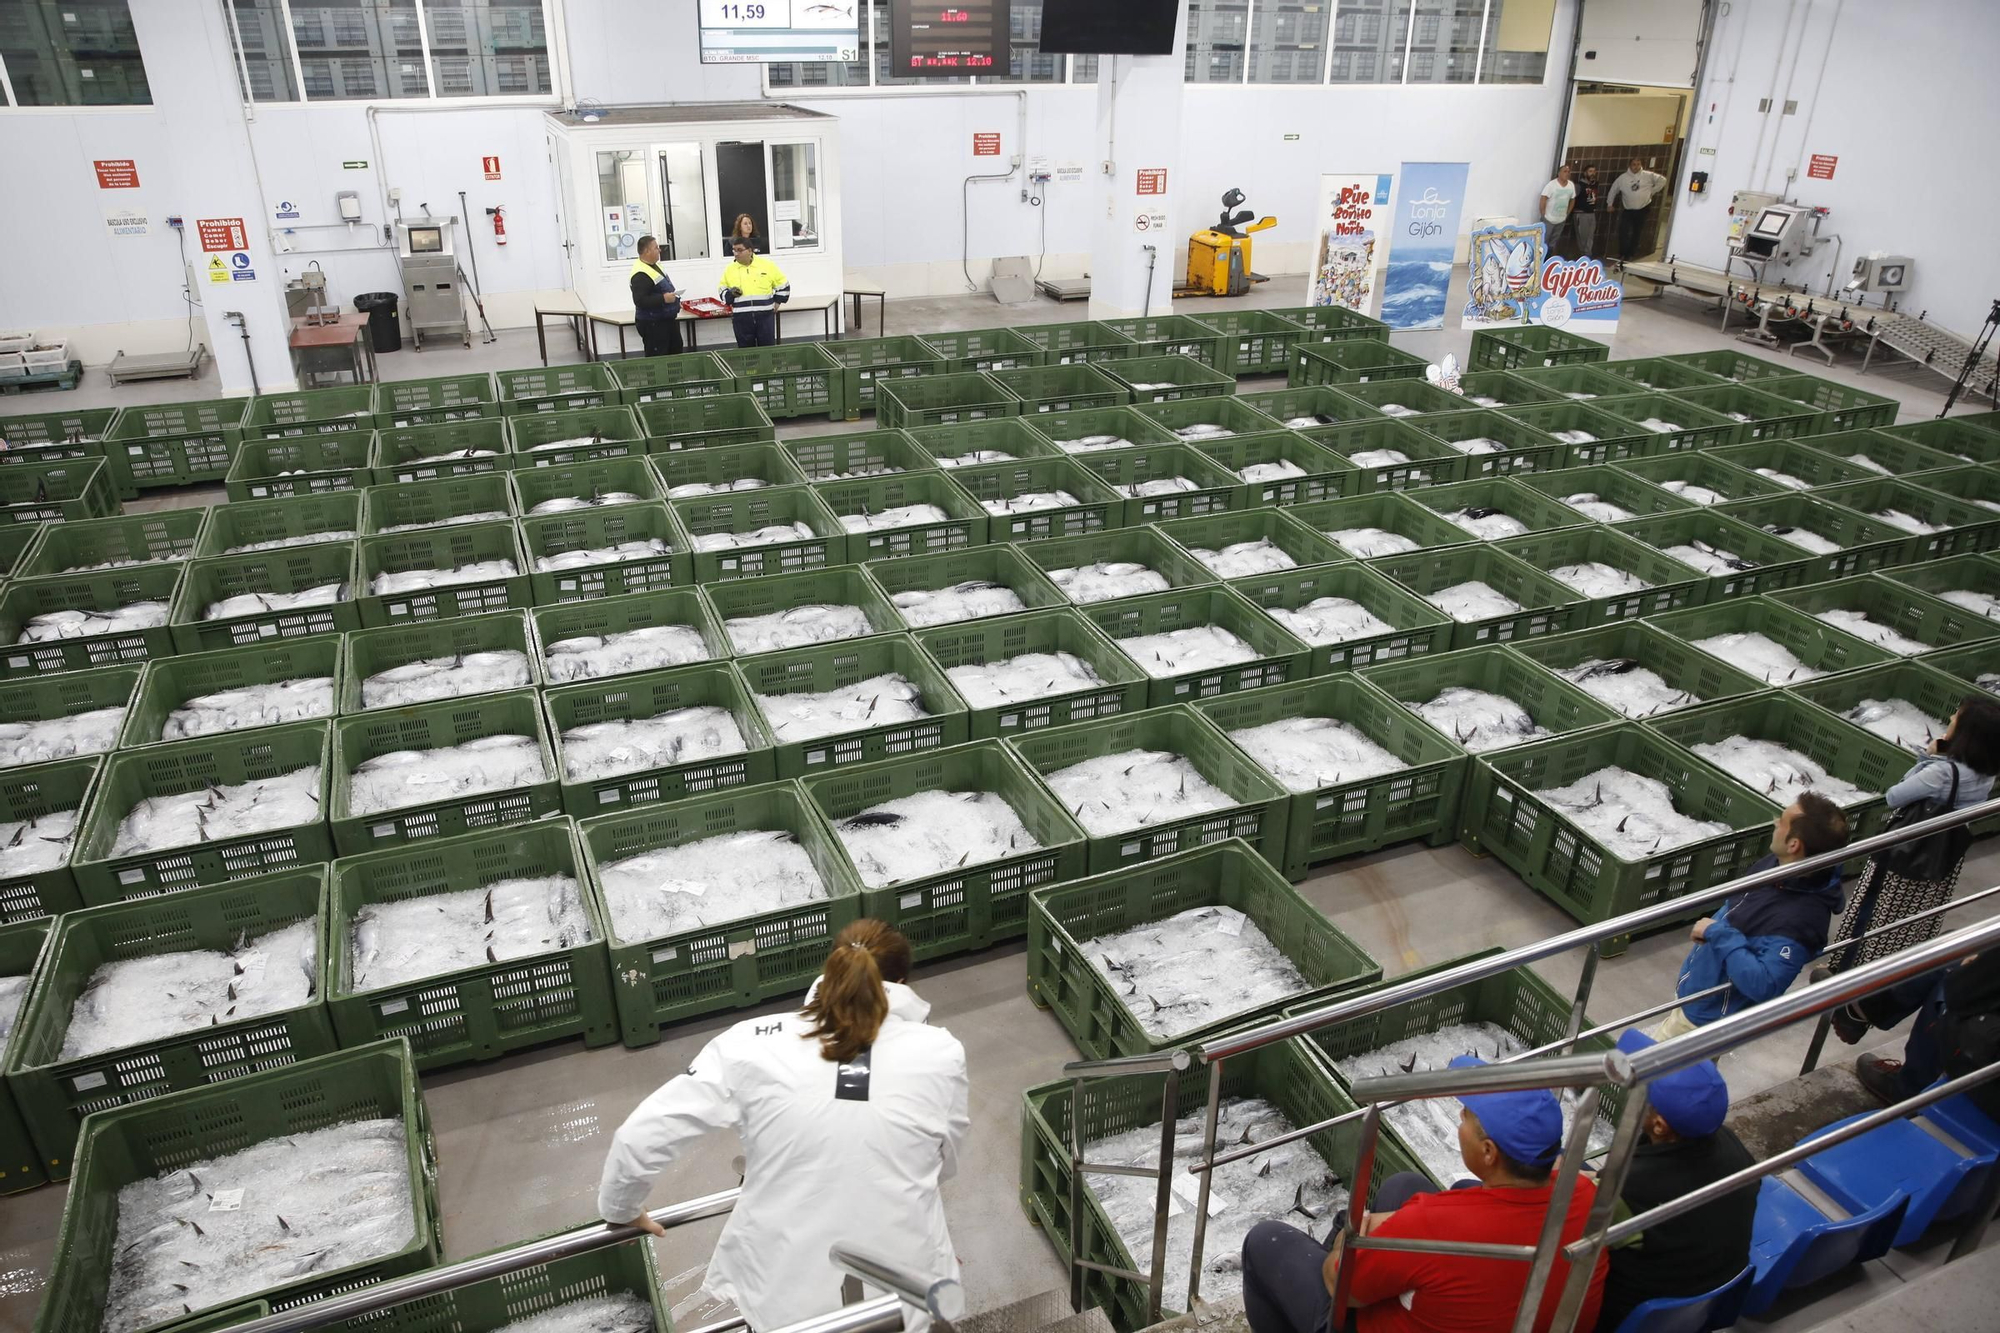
(1352,212)
(1511,279)
(1423,236)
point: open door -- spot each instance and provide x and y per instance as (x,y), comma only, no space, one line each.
(1609,125)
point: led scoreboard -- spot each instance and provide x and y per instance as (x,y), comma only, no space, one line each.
(929,39)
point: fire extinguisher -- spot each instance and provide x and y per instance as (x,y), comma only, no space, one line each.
(499,225)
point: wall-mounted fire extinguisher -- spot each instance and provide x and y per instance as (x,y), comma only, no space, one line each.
(499,216)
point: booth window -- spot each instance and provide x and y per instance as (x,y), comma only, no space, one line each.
(794,196)
(621,193)
(348,50)
(72,54)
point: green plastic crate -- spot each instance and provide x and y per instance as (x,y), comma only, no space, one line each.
(21,949)
(647,695)
(1696,427)
(1258,807)
(556,388)
(1577,382)
(969,443)
(749,511)
(1527,449)
(160,537)
(16,543)
(1419,629)
(1773,562)
(1122,688)
(75,427)
(602,617)
(994,486)
(274,416)
(589,481)
(237,529)
(1805,460)
(171,683)
(1143,546)
(1214,487)
(1342,818)
(1552,703)
(1891,454)
(1427,460)
(1769,417)
(1254,342)
(1671,584)
(55,1093)
(1538,511)
(1227,874)
(1610,485)
(64,695)
(1167,379)
(1415,396)
(65,491)
(1927,683)
(605,432)
(452,548)
(502,1301)
(293,569)
(830,666)
(401,403)
(412,506)
(1390,511)
(597,528)
(1505,817)
(426,453)
(1839,406)
(938,400)
(1615,438)
(983,350)
(1279,655)
(1532,345)
(1547,607)
(22,455)
(1729,364)
(1332,323)
(1326,475)
(1506,389)
(229,759)
(430,726)
(1822,649)
(722,964)
(1354,362)
(840,585)
(1966,439)
(1701,678)
(1064,429)
(904,580)
(848,457)
(369,652)
(165,1134)
(697,423)
(799,380)
(964,524)
(649,379)
(1683,470)
(21,600)
(1078,342)
(1964,665)
(1898,608)
(173,444)
(1170,335)
(1301,543)
(1659,374)
(967,906)
(1064,388)
(866,362)
(1964,528)
(1958,573)
(1226,413)
(1865,544)
(30,792)
(1315,405)
(720,468)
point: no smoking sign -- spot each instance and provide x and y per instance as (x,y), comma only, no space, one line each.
(1149,222)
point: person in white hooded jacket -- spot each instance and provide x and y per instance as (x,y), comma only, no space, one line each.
(851,1111)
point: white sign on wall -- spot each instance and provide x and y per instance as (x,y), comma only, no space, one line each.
(126,221)
(1069,173)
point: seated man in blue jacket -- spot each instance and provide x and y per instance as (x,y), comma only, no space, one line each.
(1762,939)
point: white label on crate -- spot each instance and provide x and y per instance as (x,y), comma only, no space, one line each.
(690,888)
(666,955)
(132,876)
(388,1007)
(381,830)
(608,797)
(225,1201)
(87,1082)
(742,948)
(910,900)
(136,450)
(1231,922)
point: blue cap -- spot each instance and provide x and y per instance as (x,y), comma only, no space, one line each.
(1528,1125)
(1693,1101)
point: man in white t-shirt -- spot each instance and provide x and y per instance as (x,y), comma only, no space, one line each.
(1558,199)
(1632,194)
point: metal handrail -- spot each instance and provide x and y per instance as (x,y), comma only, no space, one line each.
(944,1298)
(1115,1066)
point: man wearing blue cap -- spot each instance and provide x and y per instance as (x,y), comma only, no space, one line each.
(1686,1146)
(1510,1142)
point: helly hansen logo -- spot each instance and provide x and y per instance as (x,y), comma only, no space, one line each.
(773,1029)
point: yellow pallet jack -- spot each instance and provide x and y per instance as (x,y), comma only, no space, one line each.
(1219,258)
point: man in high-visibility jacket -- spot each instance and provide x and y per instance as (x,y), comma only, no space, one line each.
(754,287)
(656,307)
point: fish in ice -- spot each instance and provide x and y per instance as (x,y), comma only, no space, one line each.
(932,832)
(1738,416)
(216,813)
(644,548)
(1863,460)
(1378,457)
(269,603)
(1661,426)
(1204,430)
(53,626)
(576,442)
(38,740)
(1107,580)
(13,991)
(1089,444)
(1760,655)
(974,457)
(1575,436)
(814,622)
(1174,485)
(395,943)
(969,600)
(1592,505)
(1308,753)
(1280,469)
(1622,682)
(1474,599)
(1784,479)
(857,473)
(452,521)
(1579,396)
(403,778)
(620,1312)
(1804,537)
(1698,554)
(1243,559)
(1487,522)
(1479,720)
(1988,681)
(1307,423)
(1029,502)
(1896,518)
(390,582)
(898,516)
(38,843)
(563,504)
(632,745)
(877,701)
(769,535)
(1326,620)
(1131,789)
(451,677)
(284,543)
(295,700)
(1861,626)
(1777,771)
(1027,676)
(1631,814)
(1193,648)
(1595,578)
(706,882)
(1194,969)
(593,656)
(128,1001)
(1980,603)
(1365,543)
(1701,495)
(1478,444)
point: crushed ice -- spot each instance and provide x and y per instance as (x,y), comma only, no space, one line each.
(212,814)
(898,516)
(877,701)
(134,1000)
(1326,620)
(250,706)
(1131,789)
(1776,771)
(1472,600)
(1307,753)
(1029,502)
(770,535)
(1594,578)
(1784,479)
(645,548)
(1016,679)
(1194,648)
(563,504)
(1107,580)
(36,741)
(1631,814)
(1980,603)
(590,657)
(418,777)
(1243,559)
(1698,554)
(1632,689)
(52,626)
(1365,543)
(1760,655)
(392,582)
(815,622)
(970,600)
(39,843)
(1860,626)
(930,833)
(430,678)
(414,939)
(1193,969)
(1487,523)
(1479,720)
(703,883)
(632,745)
(1592,505)
(478,516)
(1811,541)
(1701,495)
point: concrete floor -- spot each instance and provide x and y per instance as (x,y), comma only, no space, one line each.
(521,1139)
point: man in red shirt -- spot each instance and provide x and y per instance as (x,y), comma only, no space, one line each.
(1510,1142)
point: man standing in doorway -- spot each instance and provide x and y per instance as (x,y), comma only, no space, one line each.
(656,307)
(1588,199)
(1632,194)
(754,287)
(1558,199)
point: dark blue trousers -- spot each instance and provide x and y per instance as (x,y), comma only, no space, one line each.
(756,328)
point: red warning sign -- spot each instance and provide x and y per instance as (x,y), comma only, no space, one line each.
(1152,180)
(221,234)
(1822,165)
(985,144)
(491,166)
(116,173)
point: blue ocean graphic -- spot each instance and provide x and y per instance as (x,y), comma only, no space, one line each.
(1415,289)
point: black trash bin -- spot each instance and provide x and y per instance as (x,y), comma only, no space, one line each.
(383,329)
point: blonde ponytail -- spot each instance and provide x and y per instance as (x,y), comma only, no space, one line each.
(848,1010)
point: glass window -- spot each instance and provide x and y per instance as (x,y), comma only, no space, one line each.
(685,232)
(72,54)
(1217,33)
(794,196)
(267,50)
(621,192)
(884,75)
(490,46)
(1083,69)
(1028,64)
(360,49)
(1288,40)
(1517,40)
(1362,38)
(1444,46)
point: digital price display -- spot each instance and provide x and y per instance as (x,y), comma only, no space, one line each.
(739,32)
(929,39)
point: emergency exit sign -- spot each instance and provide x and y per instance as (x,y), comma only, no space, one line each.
(985,144)
(1822,165)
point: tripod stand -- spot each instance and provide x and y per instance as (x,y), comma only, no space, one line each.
(1979,343)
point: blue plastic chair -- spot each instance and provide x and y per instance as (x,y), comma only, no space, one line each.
(1899,1158)
(1958,1117)
(1793,1243)
(1690,1314)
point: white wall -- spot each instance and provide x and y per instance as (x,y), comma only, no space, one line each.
(1640,41)
(1900,126)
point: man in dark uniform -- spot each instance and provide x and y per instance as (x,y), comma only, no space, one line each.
(656,306)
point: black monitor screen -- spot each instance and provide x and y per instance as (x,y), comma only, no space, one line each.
(426,240)
(1109,27)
